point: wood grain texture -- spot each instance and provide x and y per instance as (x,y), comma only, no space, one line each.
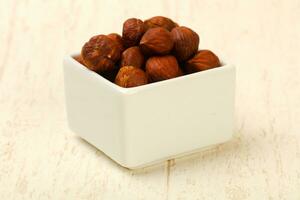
(41,159)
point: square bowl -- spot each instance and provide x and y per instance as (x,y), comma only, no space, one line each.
(142,125)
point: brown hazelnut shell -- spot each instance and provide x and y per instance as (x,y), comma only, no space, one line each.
(118,39)
(203,60)
(186,42)
(160,68)
(160,21)
(100,53)
(156,41)
(133,30)
(129,76)
(132,57)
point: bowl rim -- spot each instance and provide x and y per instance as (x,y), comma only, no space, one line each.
(70,58)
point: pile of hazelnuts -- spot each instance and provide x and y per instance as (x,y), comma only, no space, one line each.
(148,51)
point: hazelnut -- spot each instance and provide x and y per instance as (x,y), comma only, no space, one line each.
(118,39)
(160,21)
(156,41)
(79,59)
(186,42)
(129,76)
(100,53)
(132,57)
(203,60)
(133,30)
(161,68)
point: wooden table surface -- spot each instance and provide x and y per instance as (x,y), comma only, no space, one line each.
(40,158)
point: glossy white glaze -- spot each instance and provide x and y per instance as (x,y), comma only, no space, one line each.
(142,125)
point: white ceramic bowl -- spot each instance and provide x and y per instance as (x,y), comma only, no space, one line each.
(150,123)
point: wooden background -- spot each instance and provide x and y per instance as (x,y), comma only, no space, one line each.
(40,158)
